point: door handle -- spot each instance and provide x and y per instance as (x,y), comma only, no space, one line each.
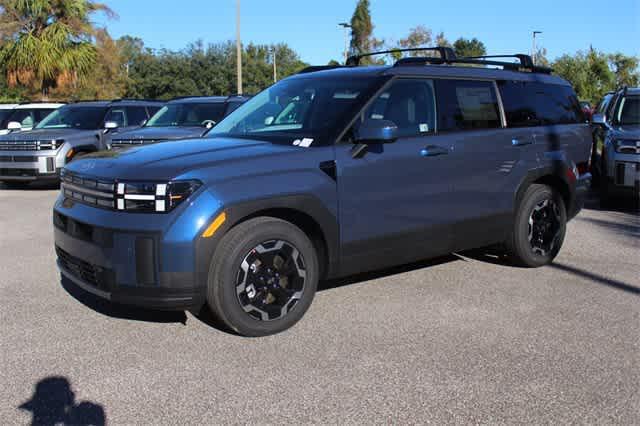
(518,142)
(433,151)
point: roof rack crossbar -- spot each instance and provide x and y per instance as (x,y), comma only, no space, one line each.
(446,54)
(314,68)
(525,62)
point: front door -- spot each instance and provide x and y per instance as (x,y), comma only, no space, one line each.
(393,201)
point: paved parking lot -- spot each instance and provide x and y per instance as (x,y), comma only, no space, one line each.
(460,339)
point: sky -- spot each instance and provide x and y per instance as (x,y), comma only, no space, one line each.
(310,27)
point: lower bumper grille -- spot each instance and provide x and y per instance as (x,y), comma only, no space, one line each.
(96,276)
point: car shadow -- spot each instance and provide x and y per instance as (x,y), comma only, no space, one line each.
(114,310)
(54,403)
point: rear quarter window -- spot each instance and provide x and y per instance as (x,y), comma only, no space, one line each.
(467,105)
(529,104)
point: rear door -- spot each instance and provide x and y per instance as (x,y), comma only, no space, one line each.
(487,160)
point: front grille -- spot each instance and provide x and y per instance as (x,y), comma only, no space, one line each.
(100,236)
(19,172)
(98,193)
(26,145)
(96,276)
(129,142)
(17,159)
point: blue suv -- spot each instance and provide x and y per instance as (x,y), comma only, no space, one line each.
(331,172)
(189,117)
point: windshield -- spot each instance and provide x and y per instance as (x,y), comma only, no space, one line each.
(313,109)
(629,111)
(74,117)
(188,114)
(29,117)
(4,114)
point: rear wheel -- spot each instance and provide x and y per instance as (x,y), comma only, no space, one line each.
(263,277)
(539,227)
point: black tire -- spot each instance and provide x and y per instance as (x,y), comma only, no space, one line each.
(520,244)
(226,271)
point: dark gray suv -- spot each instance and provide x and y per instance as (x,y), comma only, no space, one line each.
(178,119)
(331,172)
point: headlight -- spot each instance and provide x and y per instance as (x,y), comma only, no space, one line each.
(47,145)
(141,197)
(627,146)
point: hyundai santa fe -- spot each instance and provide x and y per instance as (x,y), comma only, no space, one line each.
(331,172)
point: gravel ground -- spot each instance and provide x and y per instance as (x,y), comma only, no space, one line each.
(461,339)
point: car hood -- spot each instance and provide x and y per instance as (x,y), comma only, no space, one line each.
(161,133)
(38,134)
(171,159)
(627,132)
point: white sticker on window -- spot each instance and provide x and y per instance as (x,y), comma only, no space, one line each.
(297,142)
(424,128)
(306,142)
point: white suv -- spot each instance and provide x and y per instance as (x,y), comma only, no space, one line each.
(25,116)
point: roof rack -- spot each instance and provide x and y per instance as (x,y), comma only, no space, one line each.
(446,54)
(525,62)
(314,68)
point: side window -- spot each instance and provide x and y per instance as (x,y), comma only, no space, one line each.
(136,115)
(116,115)
(24,117)
(467,105)
(151,110)
(42,113)
(410,104)
(537,104)
(232,106)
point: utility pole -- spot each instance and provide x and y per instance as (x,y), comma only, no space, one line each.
(346,27)
(238,49)
(534,51)
(275,66)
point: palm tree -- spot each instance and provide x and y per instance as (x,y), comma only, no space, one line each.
(47,43)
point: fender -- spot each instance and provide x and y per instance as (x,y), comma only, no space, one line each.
(236,213)
(556,171)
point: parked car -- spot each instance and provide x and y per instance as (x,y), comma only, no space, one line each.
(26,116)
(73,129)
(331,172)
(587,109)
(617,145)
(178,119)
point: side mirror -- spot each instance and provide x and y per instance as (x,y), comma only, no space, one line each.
(376,131)
(14,125)
(598,119)
(110,125)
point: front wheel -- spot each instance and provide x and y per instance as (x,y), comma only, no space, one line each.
(539,227)
(263,277)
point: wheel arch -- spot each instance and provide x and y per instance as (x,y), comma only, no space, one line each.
(548,177)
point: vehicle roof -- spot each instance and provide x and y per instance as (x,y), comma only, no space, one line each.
(39,105)
(437,71)
(207,99)
(633,90)
(119,102)
(8,106)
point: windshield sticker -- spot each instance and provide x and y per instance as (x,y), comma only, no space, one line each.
(305,143)
(424,128)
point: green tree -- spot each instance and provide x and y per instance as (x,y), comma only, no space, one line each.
(469,47)
(588,72)
(625,69)
(441,40)
(362,30)
(47,43)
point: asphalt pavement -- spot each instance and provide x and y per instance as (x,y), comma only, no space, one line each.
(465,338)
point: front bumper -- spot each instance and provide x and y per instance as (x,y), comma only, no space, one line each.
(155,261)
(29,166)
